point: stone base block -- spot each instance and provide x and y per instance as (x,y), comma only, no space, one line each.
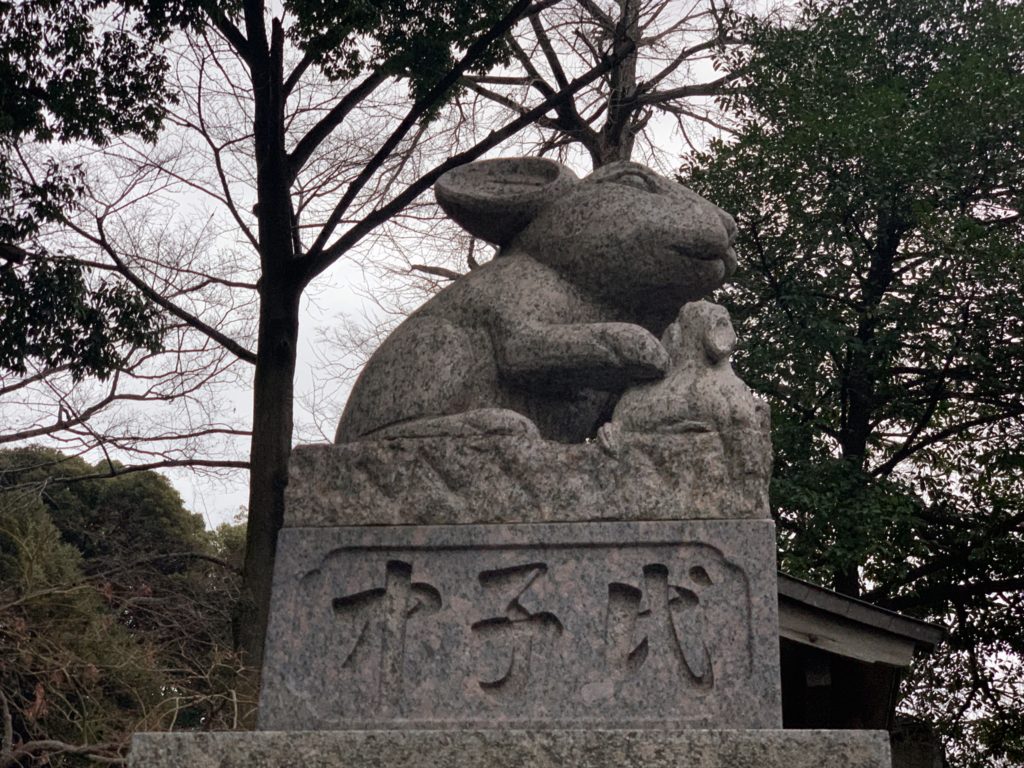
(513,749)
(605,625)
(444,481)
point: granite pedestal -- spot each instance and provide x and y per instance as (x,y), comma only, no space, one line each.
(623,626)
(666,618)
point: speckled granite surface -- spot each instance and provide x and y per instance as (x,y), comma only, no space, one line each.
(590,273)
(440,481)
(514,749)
(653,625)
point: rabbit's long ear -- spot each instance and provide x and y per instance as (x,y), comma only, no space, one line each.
(496,199)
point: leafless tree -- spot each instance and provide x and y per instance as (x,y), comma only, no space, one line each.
(162,409)
(655,105)
(303,172)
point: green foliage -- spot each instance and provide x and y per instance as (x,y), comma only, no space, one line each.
(114,612)
(416,40)
(876,181)
(228,542)
(81,70)
(129,516)
(49,313)
(65,79)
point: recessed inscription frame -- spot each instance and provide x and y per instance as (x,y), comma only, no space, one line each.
(640,625)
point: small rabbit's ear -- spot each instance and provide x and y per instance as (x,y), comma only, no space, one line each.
(495,200)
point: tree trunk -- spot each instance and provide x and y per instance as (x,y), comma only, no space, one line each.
(617,136)
(280,289)
(862,367)
(271,448)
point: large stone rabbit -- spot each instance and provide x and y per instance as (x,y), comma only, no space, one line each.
(547,336)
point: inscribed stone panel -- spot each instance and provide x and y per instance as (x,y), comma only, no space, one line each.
(627,624)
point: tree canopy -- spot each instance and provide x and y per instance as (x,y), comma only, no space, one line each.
(416,41)
(876,181)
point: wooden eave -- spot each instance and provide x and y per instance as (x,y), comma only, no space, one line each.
(820,618)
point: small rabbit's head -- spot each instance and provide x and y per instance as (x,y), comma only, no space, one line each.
(702,334)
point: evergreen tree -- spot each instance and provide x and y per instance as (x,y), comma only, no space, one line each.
(876,181)
(70,70)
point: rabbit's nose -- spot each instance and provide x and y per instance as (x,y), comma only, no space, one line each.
(730,262)
(730,225)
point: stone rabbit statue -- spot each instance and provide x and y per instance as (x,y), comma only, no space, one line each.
(546,337)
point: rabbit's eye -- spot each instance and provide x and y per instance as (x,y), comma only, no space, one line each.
(634,179)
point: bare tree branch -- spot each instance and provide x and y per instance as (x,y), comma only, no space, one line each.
(231,33)
(224,340)
(296,74)
(319,261)
(416,112)
(686,91)
(315,136)
(447,274)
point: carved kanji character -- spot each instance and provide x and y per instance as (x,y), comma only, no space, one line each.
(375,626)
(517,630)
(661,619)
